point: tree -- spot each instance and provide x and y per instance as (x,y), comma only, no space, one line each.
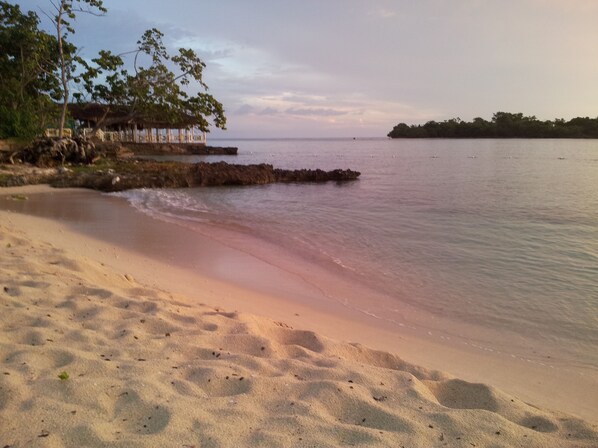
(65,12)
(156,93)
(503,125)
(28,63)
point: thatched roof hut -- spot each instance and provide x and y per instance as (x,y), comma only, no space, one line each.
(121,123)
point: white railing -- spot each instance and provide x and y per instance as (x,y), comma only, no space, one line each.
(51,132)
(149,135)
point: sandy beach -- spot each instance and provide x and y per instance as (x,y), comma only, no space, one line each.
(103,346)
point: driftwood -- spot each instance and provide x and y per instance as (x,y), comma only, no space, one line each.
(49,152)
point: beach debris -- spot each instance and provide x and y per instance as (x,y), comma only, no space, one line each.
(18,197)
(63,376)
(44,433)
(380,398)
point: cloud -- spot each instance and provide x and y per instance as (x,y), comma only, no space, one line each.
(268,111)
(315,112)
(244,109)
(383,13)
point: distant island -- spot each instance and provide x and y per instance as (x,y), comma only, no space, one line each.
(502,125)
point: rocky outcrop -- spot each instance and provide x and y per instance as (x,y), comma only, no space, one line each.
(150,174)
(222,173)
(74,159)
(151,149)
(314,175)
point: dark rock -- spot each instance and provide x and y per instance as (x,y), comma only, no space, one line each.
(222,173)
(315,175)
(149,149)
(50,152)
(217,150)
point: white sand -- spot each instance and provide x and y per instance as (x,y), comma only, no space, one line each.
(147,367)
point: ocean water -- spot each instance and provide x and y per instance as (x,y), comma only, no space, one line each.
(492,242)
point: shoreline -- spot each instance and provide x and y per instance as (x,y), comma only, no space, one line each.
(296,309)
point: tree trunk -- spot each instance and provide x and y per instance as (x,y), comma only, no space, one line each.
(63,71)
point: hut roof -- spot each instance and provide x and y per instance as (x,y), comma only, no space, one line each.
(124,115)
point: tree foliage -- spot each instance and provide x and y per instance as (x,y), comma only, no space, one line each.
(28,63)
(39,70)
(158,92)
(502,125)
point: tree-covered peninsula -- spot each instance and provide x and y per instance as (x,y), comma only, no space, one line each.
(502,125)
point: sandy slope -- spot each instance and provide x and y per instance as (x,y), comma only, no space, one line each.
(146,368)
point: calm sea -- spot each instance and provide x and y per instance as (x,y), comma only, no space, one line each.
(491,241)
